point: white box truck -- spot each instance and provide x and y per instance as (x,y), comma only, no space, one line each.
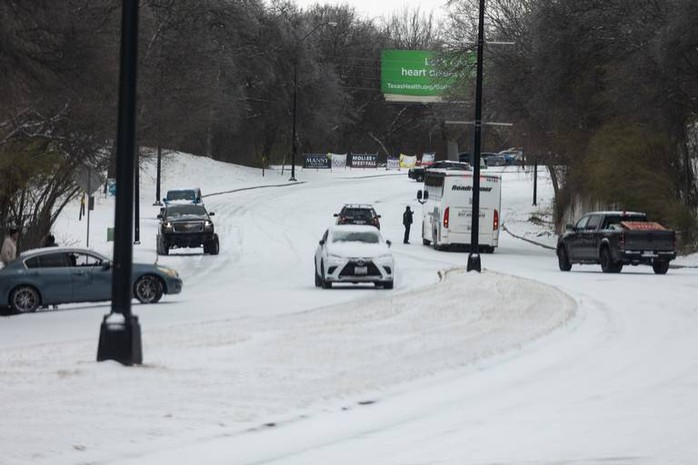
(447,205)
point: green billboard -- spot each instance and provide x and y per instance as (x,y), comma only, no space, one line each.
(414,75)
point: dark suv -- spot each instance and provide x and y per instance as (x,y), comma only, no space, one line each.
(186,225)
(358,214)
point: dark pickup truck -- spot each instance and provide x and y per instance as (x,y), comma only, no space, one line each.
(417,173)
(613,239)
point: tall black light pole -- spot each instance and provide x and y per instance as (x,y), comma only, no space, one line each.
(294,146)
(137,200)
(474,256)
(121,340)
(157,181)
(535,180)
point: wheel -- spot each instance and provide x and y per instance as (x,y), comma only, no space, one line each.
(607,263)
(162,247)
(605,259)
(563,260)
(148,289)
(425,241)
(325,283)
(213,246)
(318,279)
(660,267)
(24,299)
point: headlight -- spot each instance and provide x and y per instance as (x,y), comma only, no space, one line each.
(208,224)
(167,225)
(169,271)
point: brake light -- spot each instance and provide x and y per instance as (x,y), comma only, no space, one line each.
(495,222)
(446,217)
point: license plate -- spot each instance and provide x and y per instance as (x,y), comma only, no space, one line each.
(360,270)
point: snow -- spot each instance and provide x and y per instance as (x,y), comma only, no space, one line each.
(252,364)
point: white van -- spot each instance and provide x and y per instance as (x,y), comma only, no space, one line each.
(447,204)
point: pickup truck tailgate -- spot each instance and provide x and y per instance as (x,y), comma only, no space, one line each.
(657,240)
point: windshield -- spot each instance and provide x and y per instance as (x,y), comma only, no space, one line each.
(181,195)
(367,237)
(358,213)
(185,210)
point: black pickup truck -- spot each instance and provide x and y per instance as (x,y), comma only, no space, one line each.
(613,239)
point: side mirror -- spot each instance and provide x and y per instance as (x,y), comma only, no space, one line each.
(159,216)
(336,214)
(322,242)
(211,214)
(569,227)
(164,199)
(389,243)
(378,216)
(419,194)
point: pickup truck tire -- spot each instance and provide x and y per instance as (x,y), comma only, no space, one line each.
(660,267)
(563,259)
(607,263)
(161,246)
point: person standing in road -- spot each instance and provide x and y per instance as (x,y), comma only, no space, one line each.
(407,221)
(9,247)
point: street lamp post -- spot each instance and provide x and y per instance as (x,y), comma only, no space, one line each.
(121,340)
(474,257)
(294,145)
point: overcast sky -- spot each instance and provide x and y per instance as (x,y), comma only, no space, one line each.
(377,8)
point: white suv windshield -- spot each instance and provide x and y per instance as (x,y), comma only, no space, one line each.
(355,236)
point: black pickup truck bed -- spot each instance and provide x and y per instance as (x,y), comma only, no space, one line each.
(615,239)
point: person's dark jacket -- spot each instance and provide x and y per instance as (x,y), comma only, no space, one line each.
(407,217)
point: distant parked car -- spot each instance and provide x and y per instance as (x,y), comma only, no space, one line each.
(358,214)
(183,196)
(186,225)
(496,160)
(59,275)
(512,157)
(468,158)
(354,254)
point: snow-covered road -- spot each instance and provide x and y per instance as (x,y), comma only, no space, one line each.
(252,364)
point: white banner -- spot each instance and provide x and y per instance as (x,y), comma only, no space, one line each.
(428,158)
(393,163)
(339,160)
